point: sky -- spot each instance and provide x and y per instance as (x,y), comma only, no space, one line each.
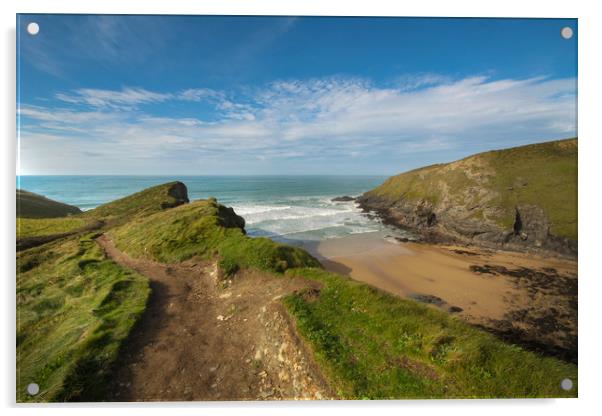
(226,95)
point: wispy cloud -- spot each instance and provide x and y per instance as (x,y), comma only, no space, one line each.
(299,121)
(127,97)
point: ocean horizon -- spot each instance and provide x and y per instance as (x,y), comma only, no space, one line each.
(282,207)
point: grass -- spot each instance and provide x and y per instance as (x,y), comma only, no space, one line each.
(372,345)
(30,205)
(145,202)
(74,309)
(38,227)
(205,229)
(424,184)
(543,174)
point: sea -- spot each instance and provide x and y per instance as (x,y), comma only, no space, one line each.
(284,208)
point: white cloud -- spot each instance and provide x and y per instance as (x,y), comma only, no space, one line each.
(130,98)
(126,98)
(320,118)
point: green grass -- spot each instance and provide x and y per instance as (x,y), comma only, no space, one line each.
(424,184)
(145,202)
(30,205)
(74,309)
(39,227)
(543,174)
(372,345)
(205,229)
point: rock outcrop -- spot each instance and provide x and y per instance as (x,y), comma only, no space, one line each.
(520,199)
(344,198)
(227,217)
(145,202)
(179,193)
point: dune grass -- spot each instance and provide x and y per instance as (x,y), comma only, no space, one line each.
(373,345)
(205,229)
(74,309)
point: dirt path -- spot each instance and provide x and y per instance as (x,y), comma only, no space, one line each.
(201,339)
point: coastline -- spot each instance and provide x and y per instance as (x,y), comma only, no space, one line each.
(524,298)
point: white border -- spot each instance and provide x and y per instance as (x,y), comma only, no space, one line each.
(589,196)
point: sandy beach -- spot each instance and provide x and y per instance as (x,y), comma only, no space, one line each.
(528,299)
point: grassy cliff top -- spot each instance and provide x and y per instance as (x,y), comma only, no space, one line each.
(74,309)
(41,227)
(375,345)
(145,202)
(543,174)
(205,229)
(30,205)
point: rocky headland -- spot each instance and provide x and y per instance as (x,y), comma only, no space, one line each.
(520,199)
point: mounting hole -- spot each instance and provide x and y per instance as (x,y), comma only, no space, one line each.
(566,32)
(566,384)
(33,28)
(33,389)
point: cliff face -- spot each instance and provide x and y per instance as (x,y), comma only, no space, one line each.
(519,198)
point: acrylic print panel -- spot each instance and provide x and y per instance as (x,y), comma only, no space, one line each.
(276,208)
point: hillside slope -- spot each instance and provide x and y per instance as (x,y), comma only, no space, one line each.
(145,202)
(79,299)
(518,198)
(30,205)
(205,229)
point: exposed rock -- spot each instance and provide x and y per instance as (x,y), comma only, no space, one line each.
(345,198)
(465,252)
(431,299)
(464,202)
(179,193)
(229,219)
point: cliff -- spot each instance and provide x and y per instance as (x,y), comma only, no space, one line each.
(522,198)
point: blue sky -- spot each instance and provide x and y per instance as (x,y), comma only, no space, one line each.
(285,95)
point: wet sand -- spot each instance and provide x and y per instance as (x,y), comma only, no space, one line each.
(529,299)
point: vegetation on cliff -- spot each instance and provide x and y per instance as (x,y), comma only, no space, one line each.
(142,203)
(375,345)
(30,205)
(35,227)
(524,195)
(75,307)
(206,229)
